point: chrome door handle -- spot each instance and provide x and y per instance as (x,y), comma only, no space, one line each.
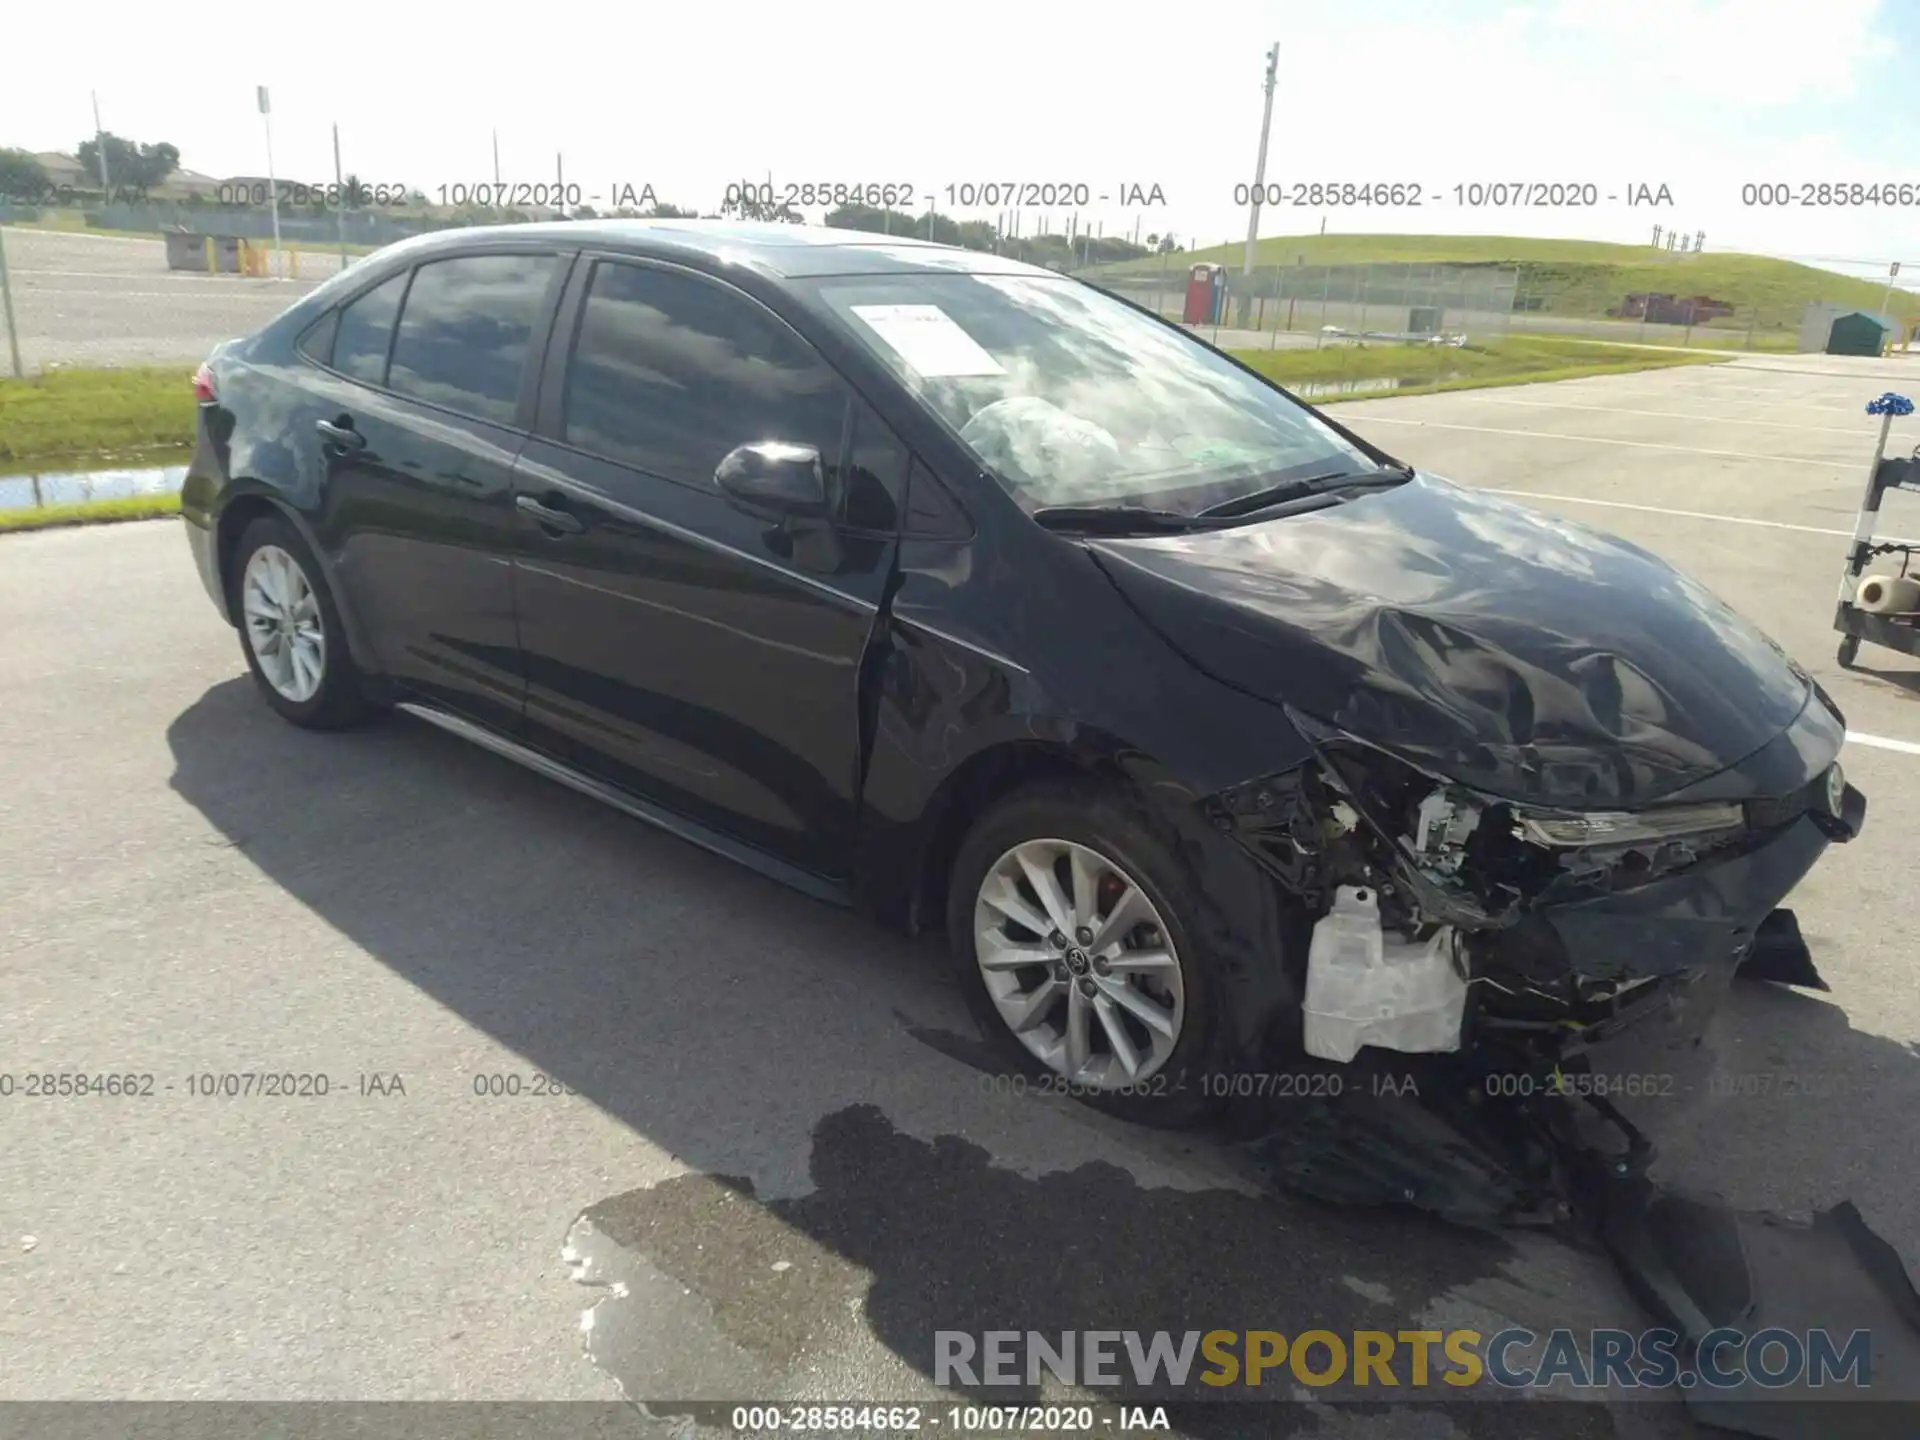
(553,519)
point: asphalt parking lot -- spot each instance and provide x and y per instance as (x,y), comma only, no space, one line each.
(87,299)
(765,1175)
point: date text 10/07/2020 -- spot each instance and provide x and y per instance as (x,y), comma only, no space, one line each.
(1467,195)
(1304,1085)
(988,194)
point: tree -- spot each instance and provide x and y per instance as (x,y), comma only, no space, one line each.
(1167,245)
(22,175)
(747,206)
(664,211)
(129,165)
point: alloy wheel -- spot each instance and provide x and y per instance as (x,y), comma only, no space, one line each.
(284,628)
(1078,963)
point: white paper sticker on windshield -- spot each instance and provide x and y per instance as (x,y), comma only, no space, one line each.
(927,338)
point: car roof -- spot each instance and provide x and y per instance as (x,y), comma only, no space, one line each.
(778,250)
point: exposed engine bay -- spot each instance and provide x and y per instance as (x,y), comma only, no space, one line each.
(1467,955)
(1478,886)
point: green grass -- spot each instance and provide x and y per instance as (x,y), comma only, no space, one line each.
(71,418)
(1516,360)
(91,419)
(1576,277)
(90,512)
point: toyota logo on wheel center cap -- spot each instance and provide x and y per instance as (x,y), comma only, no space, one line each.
(1077,960)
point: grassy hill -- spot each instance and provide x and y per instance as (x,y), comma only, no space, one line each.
(1572,277)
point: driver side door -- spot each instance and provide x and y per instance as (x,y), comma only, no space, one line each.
(674,645)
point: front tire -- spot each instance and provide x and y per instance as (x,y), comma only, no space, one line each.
(290,630)
(1067,921)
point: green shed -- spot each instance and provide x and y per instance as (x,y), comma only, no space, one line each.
(1857,333)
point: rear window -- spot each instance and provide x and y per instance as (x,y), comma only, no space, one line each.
(316,341)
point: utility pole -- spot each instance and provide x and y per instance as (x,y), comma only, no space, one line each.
(273,185)
(1893,269)
(340,198)
(496,161)
(1259,182)
(6,309)
(100,141)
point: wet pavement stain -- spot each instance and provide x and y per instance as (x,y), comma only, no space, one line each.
(903,1237)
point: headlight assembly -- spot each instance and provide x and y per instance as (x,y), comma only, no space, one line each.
(1572,830)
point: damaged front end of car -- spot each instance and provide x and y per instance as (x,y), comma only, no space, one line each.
(1559,925)
(1482,950)
(1471,956)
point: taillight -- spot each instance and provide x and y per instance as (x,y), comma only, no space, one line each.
(203,383)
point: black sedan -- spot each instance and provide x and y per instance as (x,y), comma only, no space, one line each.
(973,596)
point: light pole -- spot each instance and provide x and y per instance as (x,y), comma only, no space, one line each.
(340,199)
(100,141)
(273,185)
(1259,183)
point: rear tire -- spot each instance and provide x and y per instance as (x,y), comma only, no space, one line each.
(1091,1001)
(290,629)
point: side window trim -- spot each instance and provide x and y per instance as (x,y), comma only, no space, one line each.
(329,320)
(538,342)
(860,410)
(393,334)
(341,308)
(921,473)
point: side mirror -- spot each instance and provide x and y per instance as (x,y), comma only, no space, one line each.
(773,480)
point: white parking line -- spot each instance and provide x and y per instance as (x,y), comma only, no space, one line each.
(1690,514)
(1682,514)
(19,270)
(1800,460)
(1490,398)
(30,231)
(181,296)
(1881,742)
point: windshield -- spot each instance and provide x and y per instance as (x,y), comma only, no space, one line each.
(1070,397)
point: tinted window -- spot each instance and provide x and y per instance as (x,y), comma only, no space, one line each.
(932,513)
(465,331)
(670,372)
(875,479)
(316,343)
(366,330)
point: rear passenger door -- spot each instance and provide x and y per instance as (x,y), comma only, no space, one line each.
(428,400)
(674,645)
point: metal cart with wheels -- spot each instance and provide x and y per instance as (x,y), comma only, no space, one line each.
(1896,631)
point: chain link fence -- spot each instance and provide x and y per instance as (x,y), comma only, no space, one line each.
(1295,305)
(96,288)
(82,298)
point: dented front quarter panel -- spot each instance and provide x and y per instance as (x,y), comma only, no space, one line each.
(1021,651)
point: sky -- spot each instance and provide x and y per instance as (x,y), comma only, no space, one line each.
(1701,96)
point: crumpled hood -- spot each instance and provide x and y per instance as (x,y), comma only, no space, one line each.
(1528,656)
